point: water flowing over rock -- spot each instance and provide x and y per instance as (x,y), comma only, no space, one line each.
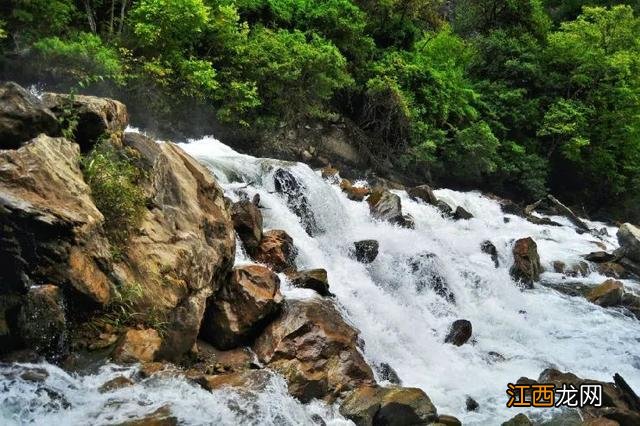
(294,193)
(238,311)
(462,214)
(23,117)
(489,248)
(313,279)
(526,262)
(96,117)
(314,349)
(354,193)
(247,221)
(377,406)
(42,324)
(366,251)
(609,293)
(386,206)
(277,250)
(424,193)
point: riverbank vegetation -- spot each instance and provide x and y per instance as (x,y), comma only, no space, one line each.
(517,97)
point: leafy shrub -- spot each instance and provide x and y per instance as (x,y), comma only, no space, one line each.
(114,179)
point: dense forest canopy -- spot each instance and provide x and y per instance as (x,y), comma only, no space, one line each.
(514,96)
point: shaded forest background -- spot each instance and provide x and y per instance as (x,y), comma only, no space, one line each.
(517,97)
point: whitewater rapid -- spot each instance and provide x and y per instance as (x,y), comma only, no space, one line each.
(402,322)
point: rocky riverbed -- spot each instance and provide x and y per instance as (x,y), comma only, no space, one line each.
(255,291)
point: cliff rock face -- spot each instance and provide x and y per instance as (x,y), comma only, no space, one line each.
(52,234)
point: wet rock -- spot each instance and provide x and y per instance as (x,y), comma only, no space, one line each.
(161,417)
(600,257)
(239,310)
(96,117)
(137,346)
(526,266)
(387,373)
(115,384)
(287,185)
(629,240)
(314,349)
(448,421)
(247,221)
(354,193)
(36,375)
(609,293)
(313,279)
(366,251)
(23,117)
(249,380)
(386,206)
(41,323)
(559,266)
(375,405)
(518,420)
(580,269)
(542,221)
(490,249)
(459,332)
(423,193)
(462,214)
(599,421)
(471,404)
(330,173)
(445,209)
(277,250)
(408,222)
(613,270)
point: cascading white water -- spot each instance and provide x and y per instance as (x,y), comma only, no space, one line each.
(403,323)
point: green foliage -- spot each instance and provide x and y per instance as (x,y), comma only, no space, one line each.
(114,178)
(515,16)
(476,147)
(82,58)
(3,31)
(32,19)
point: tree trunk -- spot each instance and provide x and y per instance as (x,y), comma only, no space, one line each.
(90,16)
(123,9)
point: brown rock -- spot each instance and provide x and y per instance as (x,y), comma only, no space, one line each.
(599,421)
(253,380)
(559,266)
(96,116)
(330,173)
(613,270)
(449,421)
(277,251)
(23,117)
(629,240)
(115,384)
(313,279)
(41,323)
(526,266)
(247,221)
(137,346)
(459,332)
(237,312)
(87,278)
(424,193)
(375,405)
(314,349)
(518,420)
(161,417)
(609,293)
(600,257)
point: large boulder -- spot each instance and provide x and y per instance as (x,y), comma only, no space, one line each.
(315,350)
(185,246)
(276,250)
(609,293)
(526,262)
(377,406)
(51,229)
(629,240)
(23,117)
(42,323)
(96,117)
(247,221)
(293,191)
(238,311)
